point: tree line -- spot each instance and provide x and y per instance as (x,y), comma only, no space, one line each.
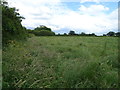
(111,33)
(45,31)
(12,29)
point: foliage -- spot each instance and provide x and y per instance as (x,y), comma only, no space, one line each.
(104,34)
(12,28)
(42,27)
(111,33)
(117,34)
(44,33)
(56,62)
(41,31)
(82,34)
(65,34)
(72,33)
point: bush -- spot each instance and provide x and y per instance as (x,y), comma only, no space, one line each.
(44,33)
(30,35)
(12,28)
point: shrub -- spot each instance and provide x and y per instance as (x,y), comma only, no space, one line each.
(12,28)
(44,33)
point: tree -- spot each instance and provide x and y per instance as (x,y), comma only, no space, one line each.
(117,34)
(110,33)
(58,34)
(42,27)
(82,34)
(104,34)
(12,28)
(93,34)
(65,34)
(44,33)
(72,33)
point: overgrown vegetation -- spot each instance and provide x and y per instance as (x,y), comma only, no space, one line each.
(12,28)
(61,62)
(56,62)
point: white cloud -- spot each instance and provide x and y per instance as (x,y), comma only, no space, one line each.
(57,16)
(93,9)
(82,1)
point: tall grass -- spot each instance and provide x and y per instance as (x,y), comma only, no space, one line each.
(61,62)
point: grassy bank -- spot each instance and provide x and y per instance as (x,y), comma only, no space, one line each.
(57,62)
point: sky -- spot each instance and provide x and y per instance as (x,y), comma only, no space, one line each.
(89,16)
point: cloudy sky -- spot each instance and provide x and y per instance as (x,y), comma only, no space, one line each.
(89,16)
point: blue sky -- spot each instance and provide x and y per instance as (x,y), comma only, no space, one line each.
(89,16)
(75,5)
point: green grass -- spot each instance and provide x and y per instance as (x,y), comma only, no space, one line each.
(61,62)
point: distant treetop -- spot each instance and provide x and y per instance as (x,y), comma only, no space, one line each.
(42,27)
(72,32)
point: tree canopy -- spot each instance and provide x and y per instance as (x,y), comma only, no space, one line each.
(111,33)
(11,24)
(72,32)
(42,27)
(42,31)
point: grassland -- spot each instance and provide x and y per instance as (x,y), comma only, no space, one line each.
(61,62)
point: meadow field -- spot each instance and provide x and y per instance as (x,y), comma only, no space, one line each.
(61,62)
